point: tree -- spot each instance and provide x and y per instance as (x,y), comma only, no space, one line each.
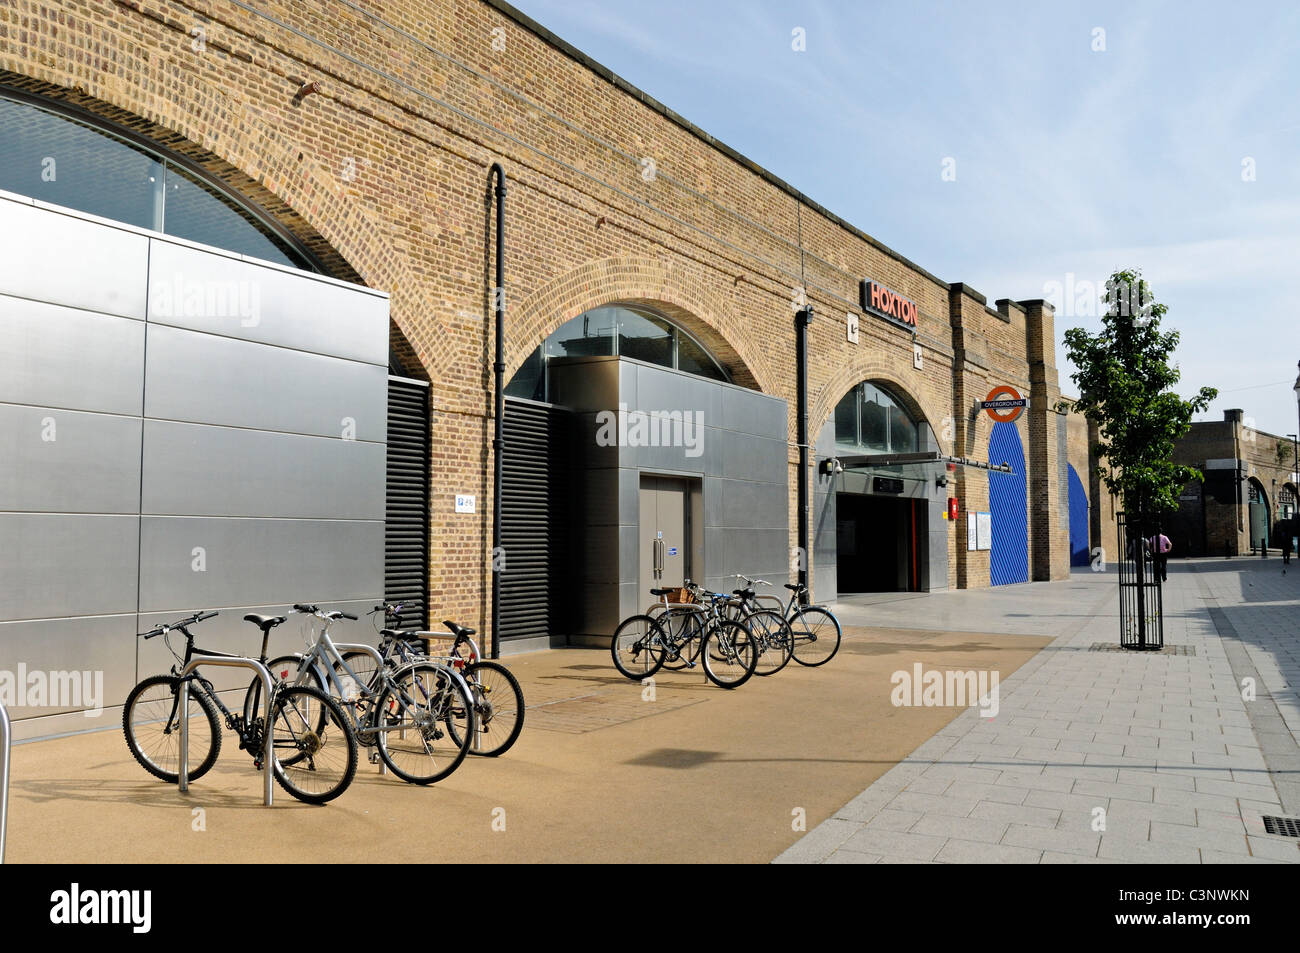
(1283,452)
(1125,383)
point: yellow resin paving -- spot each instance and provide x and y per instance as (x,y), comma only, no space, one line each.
(599,774)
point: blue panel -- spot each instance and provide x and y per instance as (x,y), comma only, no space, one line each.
(1009,558)
(1079,555)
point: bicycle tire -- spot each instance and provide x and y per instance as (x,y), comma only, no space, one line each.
(295,727)
(142,710)
(815,643)
(437,700)
(685,639)
(775,640)
(507,718)
(736,654)
(282,669)
(637,647)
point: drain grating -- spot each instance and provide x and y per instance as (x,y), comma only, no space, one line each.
(1166,650)
(1282,826)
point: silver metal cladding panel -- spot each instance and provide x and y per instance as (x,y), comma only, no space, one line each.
(254,561)
(57,566)
(750,412)
(753,505)
(207,379)
(57,356)
(205,291)
(65,461)
(101,646)
(68,260)
(200,470)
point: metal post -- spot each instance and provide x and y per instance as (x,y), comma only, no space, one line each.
(801,322)
(5,741)
(498,372)
(268,751)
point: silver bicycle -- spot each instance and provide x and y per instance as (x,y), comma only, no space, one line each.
(417,718)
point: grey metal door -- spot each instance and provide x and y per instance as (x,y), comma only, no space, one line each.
(665,534)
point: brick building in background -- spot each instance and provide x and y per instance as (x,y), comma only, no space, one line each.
(648,268)
(1248,499)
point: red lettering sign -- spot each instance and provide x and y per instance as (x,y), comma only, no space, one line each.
(874,296)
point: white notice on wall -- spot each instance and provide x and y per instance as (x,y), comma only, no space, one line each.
(464,503)
(984,530)
(972,534)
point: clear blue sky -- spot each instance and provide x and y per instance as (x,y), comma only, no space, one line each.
(1068,160)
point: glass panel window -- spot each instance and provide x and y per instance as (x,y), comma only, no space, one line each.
(200,213)
(587,335)
(62,162)
(875,420)
(846,419)
(902,432)
(644,338)
(692,358)
(529,381)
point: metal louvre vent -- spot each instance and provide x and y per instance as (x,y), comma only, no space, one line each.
(526,515)
(406,518)
(1282,826)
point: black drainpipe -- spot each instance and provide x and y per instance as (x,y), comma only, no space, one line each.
(801,321)
(498,371)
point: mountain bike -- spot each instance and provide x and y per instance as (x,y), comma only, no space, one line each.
(419,717)
(314,752)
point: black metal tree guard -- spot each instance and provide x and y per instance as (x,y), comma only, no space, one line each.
(1141,608)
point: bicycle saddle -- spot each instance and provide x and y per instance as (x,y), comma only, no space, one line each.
(743,593)
(264,622)
(660,592)
(457,630)
(792,587)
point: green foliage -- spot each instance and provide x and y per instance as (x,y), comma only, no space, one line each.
(1125,383)
(1284,450)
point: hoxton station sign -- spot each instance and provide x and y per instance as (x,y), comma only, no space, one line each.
(876,299)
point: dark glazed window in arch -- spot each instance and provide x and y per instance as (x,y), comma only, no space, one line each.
(55,158)
(621,330)
(868,418)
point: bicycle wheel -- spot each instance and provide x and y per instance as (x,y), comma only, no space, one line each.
(730,653)
(282,669)
(498,708)
(816,636)
(358,694)
(425,722)
(638,647)
(314,749)
(681,639)
(773,635)
(150,722)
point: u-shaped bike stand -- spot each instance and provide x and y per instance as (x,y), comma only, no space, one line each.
(230,661)
(379,661)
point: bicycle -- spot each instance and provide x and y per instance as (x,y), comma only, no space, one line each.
(772,631)
(814,629)
(498,698)
(315,755)
(725,648)
(418,718)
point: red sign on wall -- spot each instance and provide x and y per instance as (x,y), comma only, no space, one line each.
(879,300)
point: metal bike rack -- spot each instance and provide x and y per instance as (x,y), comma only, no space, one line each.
(229,661)
(5,739)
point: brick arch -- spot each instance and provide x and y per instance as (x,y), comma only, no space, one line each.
(893,373)
(193,114)
(673,291)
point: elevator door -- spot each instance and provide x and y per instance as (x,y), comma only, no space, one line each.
(665,534)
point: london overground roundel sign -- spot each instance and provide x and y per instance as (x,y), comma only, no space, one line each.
(1004,403)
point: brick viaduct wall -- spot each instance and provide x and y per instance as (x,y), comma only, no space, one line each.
(383,172)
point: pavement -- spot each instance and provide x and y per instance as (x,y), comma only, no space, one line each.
(604,771)
(1099,755)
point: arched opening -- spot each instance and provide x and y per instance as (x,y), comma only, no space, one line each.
(633,460)
(1078,504)
(617,330)
(877,518)
(1258,507)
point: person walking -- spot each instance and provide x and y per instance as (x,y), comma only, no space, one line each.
(1286,548)
(1160,547)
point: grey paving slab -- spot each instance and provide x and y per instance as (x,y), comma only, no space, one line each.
(1182,765)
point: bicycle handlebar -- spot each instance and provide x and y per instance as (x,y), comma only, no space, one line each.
(316,611)
(179,624)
